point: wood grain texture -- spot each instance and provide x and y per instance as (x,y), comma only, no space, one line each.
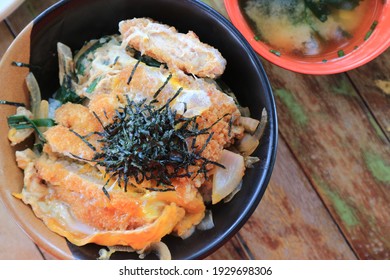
(291,221)
(218,5)
(6,38)
(26,13)
(373,83)
(232,250)
(330,131)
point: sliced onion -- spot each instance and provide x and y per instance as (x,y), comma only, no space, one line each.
(122,249)
(248,144)
(244,111)
(263,123)
(249,124)
(249,161)
(225,180)
(106,255)
(159,248)
(17,136)
(188,233)
(65,61)
(43,113)
(207,222)
(233,193)
(35,93)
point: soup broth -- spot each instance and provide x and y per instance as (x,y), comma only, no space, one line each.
(305,27)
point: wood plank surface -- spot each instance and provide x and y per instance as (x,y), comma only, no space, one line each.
(232,250)
(373,83)
(26,13)
(331,133)
(6,38)
(291,221)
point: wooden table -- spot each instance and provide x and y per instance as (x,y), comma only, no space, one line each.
(329,195)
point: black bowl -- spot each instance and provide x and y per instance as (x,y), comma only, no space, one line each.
(75,21)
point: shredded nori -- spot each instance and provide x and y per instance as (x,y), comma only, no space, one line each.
(145,58)
(11,103)
(26,65)
(133,71)
(146,142)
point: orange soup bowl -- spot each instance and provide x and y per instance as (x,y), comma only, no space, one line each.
(369,40)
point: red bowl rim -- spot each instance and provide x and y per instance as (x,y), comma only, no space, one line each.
(369,49)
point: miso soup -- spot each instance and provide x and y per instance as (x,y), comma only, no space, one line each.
(305,27)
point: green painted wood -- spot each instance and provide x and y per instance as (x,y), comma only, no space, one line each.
(333,135)
(373,83)
(291,221)
(341,141)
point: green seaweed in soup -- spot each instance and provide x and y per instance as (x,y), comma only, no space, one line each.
(305,27)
